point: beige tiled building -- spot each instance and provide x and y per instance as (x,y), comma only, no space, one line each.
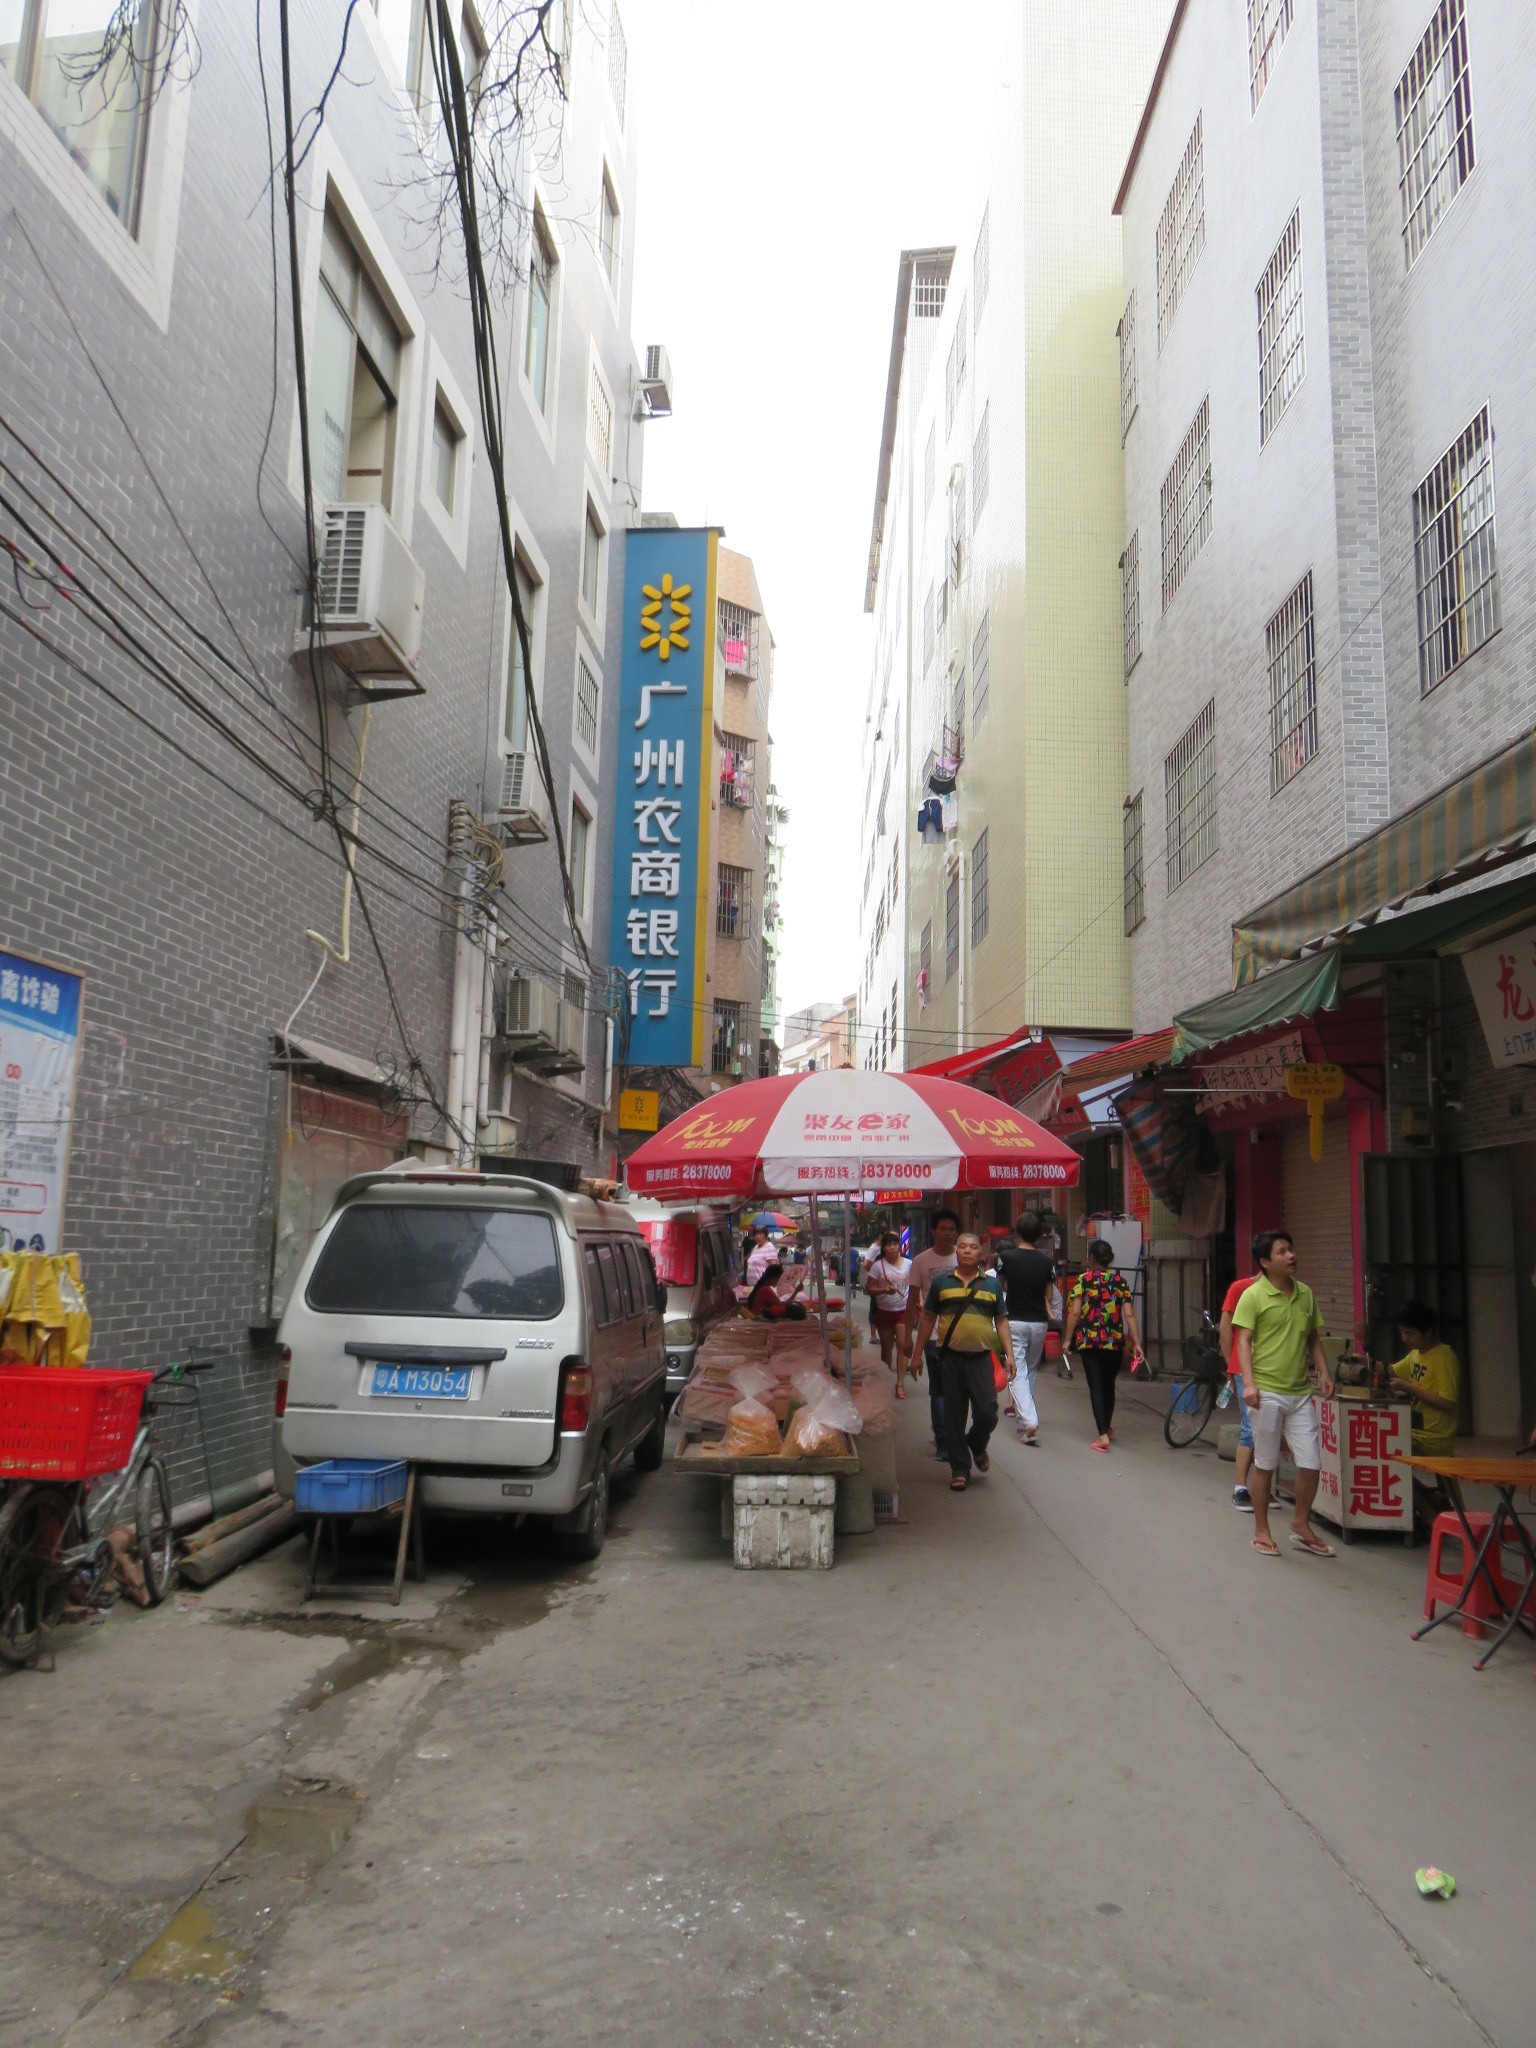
(740,964)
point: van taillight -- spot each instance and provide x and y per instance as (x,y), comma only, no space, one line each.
(576,1398)
(280,1391)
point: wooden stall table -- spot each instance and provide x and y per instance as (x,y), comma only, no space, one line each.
(1507,1476)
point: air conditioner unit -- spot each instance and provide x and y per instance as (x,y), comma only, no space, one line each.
(522,811)
(532,1018)
(371,591)
(498,1134)
(656,384)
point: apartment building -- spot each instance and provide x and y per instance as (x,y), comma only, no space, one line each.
(1327,407)
(822,1037)
(231,843)
(741,970)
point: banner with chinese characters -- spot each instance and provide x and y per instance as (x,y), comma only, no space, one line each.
(1503,982)
(1360,1484)
(664,780)
(39,1054)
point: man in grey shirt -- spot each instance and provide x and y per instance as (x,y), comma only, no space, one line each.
(926,1268)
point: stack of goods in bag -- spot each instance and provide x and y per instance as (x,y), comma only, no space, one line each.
(43,1316)
(824,1419)
(751,1431)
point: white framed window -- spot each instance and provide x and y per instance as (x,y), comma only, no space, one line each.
(1269,23)
(579,858)
(930,465)
(519,684)
(1130,601)
(474,53)
(594,553)
(981,266)
(1185,503)
(588,706)
(610,237)
(1189,798)
(89,67)
(447,454)
(1126,333)
(1290,642)
(447,442)
(540,314)
(355,360)
(1282,337)
(1456,559)
(979,910)
(981,672)
(930,284)
(599,420)
(928,630)
(954,376)
(952,927)
(618,61)
(1435,147)
(1181,231)
(981,465)
(1133,883)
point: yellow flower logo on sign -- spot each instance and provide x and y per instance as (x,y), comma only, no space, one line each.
(674,598)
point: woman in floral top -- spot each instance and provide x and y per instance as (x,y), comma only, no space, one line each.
(1100,1318)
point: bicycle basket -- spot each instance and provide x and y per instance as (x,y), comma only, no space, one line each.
(1202,1357)
(67,1421)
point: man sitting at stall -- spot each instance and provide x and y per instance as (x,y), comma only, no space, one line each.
(1429,1375)
(766,1300)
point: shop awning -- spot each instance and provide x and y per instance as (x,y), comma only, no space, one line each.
(962,1066)
(1300,990)
(1483,820)
(1115,1062)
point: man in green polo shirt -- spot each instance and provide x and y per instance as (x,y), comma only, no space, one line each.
(1276,1325)
(969,1308)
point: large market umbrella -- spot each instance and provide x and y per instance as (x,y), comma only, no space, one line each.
(771,1219)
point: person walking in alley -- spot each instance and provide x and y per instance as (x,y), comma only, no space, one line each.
(1100,1318)
(887,1278)
(969,1310)
(761,1256)
(1242,1499)
(1027,1273)
(926,1267)
(1277,1333)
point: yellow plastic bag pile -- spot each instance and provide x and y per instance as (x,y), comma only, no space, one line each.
(43,1316)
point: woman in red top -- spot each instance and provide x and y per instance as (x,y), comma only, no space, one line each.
(1100,1317)
(766,1300)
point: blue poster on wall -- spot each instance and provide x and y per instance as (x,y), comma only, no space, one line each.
(665,778)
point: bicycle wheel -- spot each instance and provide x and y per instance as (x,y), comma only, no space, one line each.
(152,1525)
(32,1588)
(1191,1404)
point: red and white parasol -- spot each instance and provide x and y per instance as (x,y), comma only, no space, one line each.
(846,1133)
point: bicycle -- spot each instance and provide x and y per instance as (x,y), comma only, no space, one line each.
(53,1533)
(1200,1388)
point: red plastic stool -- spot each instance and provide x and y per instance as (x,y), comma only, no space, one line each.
(1439,1584)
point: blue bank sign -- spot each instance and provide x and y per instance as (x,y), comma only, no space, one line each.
(665,780)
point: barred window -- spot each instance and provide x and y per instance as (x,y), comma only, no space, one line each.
(1291,643)
(738,629)
(738,770)
(1130,601)
(1186,503)
(1435,150)
(957,706)
(1189,797)
(1456,554)
(925,958)
(928,630)
(733,902)
(941,605)
(588,695)
(954,377)
(930,465)
(981,266)
(730,1028)
(979,889)
(981,465)
(981,672)
(618,61)
(895,875)
(929,285)
(1135,886)
(1282,342)
(1180,232)
(1269,23)
(1127,333)
(951,927)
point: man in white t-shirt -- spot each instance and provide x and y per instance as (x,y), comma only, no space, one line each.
(944,1229)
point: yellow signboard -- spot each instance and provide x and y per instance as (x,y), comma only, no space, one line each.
(1315,1082)
(639,1109)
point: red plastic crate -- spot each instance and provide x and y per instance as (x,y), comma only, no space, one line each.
(67,1422)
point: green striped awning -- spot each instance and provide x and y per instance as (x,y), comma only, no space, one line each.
(1484,819)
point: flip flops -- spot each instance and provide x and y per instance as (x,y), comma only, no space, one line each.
(1314,1546)
(1266,1546)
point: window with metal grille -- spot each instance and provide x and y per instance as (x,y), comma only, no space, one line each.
(981,266)
(1269,23)
(981,465)
(957,703)
(733,902)
(941,605)
(1126,332)
(957,532)
(618,61)
(738,766)
(588,698)
(1435,149)
(730,1026)
(599,420)
(954,377)
(1282,342)
(609,236)
(928,630)
(895,994)
(981,671)
(1186,503)
(580,846)
(895,875)
(1180,232)
(1134,892)
(1456,554)
(738,629)
(930,465)
(951,927)
(1290,642)
(1130,601)
(1189,798)
(929,284)
(979,889)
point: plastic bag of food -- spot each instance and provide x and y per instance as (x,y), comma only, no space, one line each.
(811,1435)
(829,1398)
(751,1381)
(751,1431)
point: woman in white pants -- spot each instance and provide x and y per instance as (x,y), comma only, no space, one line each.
(1027,1274)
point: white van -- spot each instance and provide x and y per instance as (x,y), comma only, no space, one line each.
(503,1334)
(694,1250)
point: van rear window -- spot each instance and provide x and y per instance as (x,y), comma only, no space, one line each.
(415,1260)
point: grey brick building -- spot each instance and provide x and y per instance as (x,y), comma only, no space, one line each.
(160,757)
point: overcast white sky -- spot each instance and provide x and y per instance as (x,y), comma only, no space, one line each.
(799,150)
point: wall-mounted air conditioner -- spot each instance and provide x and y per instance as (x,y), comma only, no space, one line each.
(532,1019)
(521,814)
(656,385)
(498,1134)
(371,594)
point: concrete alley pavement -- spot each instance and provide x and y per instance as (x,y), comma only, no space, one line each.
(1059,1761)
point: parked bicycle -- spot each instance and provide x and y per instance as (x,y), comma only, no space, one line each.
(1200,1387)
(56,1534)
